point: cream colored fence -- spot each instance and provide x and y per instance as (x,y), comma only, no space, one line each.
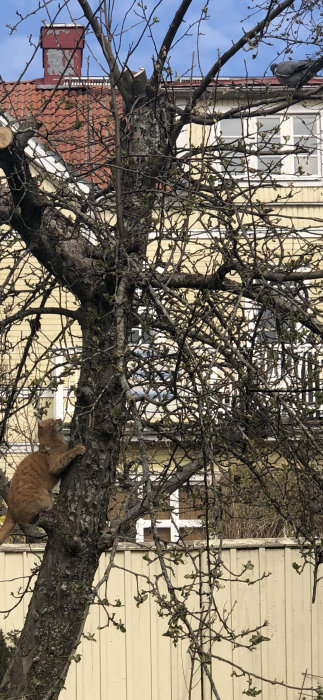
(142,664)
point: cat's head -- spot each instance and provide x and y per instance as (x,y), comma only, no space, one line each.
(50,426)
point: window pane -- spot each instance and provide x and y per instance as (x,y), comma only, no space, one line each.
(306,165)
(305,125)
(233,165)
(163,533)
(269,144)
(276,327)
(192,502)
(270,163)
(139,335)
(308,142)
(231,128)
(268,326)
(268,130)
(305,130)
(134,335)
(231,131)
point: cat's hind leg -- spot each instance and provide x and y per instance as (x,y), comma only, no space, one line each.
(44,503)
(30,509)
(45,500)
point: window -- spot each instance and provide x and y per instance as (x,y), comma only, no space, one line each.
(184,519)
(277,327)
(138,335)
(150,372)
(305,133)
(281,146)
(231,132)
(284,353)
(268,136)
(182,514)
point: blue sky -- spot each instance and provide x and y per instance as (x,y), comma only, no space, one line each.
(223,27)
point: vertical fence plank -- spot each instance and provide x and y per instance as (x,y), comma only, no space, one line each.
(161,647)
(247,617)
(317,639)
(113,640)
(272,562)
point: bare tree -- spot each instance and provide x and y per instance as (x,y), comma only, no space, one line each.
(186,299)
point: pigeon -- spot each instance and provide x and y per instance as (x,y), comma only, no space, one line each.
(296,73)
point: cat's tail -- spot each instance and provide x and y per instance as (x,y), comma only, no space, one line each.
(7,526)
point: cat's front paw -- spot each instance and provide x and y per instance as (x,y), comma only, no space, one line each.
(79,450)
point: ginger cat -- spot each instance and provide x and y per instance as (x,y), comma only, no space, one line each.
(30,490)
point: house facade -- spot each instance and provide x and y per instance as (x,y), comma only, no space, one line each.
(273,160)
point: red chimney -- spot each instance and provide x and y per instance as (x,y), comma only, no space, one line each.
(62,46)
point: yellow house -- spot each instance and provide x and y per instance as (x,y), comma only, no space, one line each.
(270,217)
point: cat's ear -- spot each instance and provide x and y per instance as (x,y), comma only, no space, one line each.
(40,422)
(59,421)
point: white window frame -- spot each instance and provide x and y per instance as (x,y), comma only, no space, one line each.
(288,158)
(174,524)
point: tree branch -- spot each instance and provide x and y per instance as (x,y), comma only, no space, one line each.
(20,315)
(33,332)
(123,80)
(168,40)
(258,29)
(284,98)
(217,282)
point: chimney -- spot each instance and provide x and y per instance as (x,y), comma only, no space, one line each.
(62,46)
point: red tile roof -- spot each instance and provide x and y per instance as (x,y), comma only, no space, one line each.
(76,123)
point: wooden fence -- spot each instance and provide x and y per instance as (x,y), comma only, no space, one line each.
(142,664)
